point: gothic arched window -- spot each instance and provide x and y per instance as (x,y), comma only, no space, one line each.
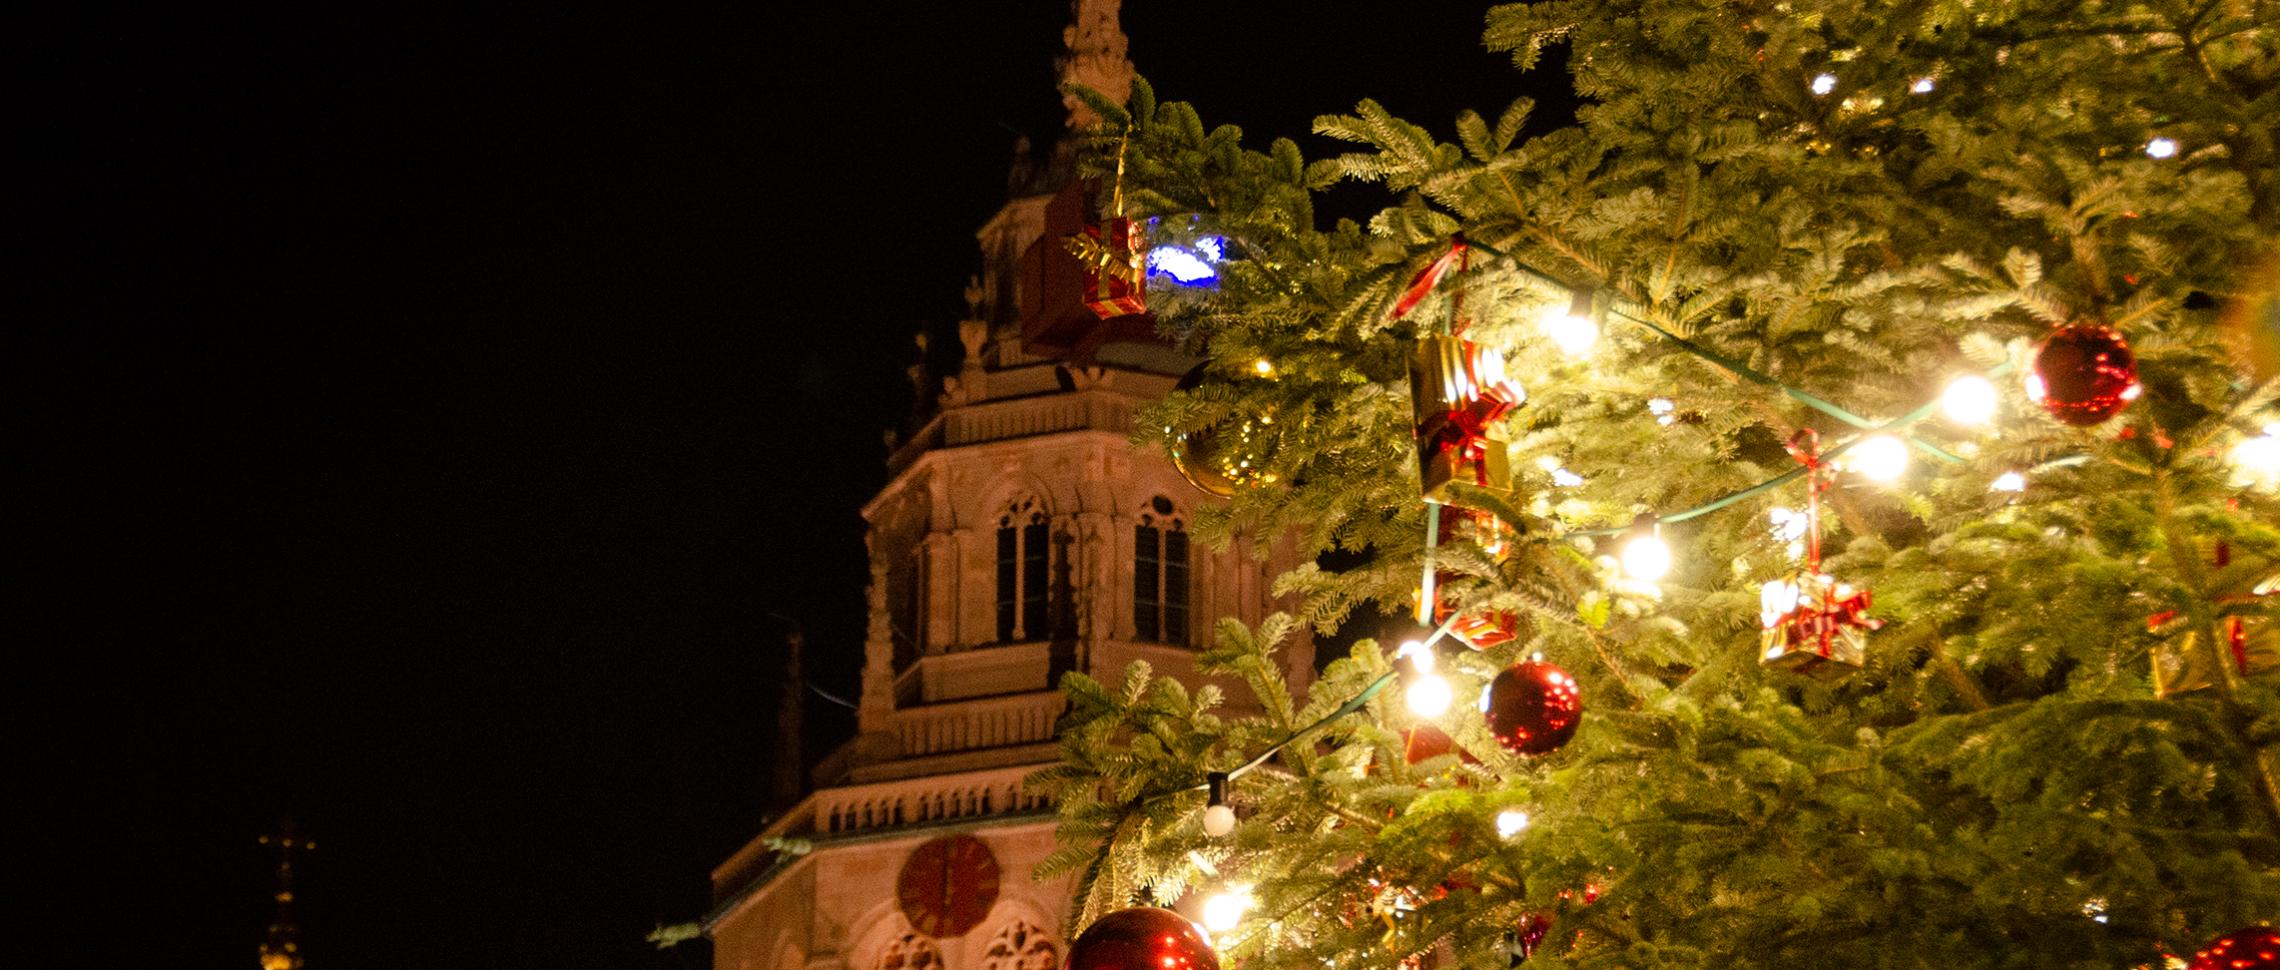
(1021,946)
(1024,555)
(1160,575)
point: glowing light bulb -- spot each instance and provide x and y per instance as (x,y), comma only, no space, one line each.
(1969,400)
(1224,910)
(1923,85)
(2256,461)
(2008,482)
(1880,458)
(1663,409)
(2161,148)
(1572,333)
(1824,83)
(1421,657)
(1263,367)
(1218,821)
(1429,696)
(1646,556)
(1511,822)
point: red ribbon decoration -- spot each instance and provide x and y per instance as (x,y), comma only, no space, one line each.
(1421,285)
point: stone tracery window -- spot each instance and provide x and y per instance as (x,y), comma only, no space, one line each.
(1023,559)
(911,952)
(1160,574)
(1019,945)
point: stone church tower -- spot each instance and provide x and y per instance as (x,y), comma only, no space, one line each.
(1020,535)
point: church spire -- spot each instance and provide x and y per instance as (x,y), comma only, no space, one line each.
(1095,56)
(281,948)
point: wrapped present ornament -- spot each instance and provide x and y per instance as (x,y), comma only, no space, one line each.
(1458,393)
(1478,629)
(2248,638)
(1811,620)
(2250,644)
(1812,623)
(1114,258)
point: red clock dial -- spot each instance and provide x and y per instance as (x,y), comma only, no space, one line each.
(948,885)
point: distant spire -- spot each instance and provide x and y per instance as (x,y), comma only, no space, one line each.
(1095,56)
(281,948)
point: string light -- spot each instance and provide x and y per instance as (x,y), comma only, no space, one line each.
(1645,555)
(2256,461)
(1429,696)
(1225,909)
(1571,329)
(1824,83)
(1511,822)
(1663,409)
(1218,816)
(1923,85)
(2008,482)
(1969,400)
(1879,458)
(2161,147)
(1561,477)
(1263,367)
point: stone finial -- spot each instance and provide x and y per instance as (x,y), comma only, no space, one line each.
(1095,57)
(975,294)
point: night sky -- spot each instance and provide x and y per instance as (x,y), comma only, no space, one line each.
(428,407)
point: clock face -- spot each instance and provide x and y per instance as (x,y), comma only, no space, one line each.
(948,885)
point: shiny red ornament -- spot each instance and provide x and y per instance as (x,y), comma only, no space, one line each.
(2254,948)
(1533,707)
(1142,938)
(1528,934)
(2083,375)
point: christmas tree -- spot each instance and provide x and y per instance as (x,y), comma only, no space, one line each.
(1931,341)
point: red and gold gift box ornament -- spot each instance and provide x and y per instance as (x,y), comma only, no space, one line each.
(2248,638)
(1811,622)
(1114,256)
(1477,628)
(1458,393)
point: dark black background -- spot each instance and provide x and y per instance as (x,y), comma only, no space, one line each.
(423,408)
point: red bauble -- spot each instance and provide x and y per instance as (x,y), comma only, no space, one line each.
(2083,375)
(1533,707)
(2255,948)
(1142,938)
(1528,934)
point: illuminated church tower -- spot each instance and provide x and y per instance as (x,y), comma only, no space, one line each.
(1020,535)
